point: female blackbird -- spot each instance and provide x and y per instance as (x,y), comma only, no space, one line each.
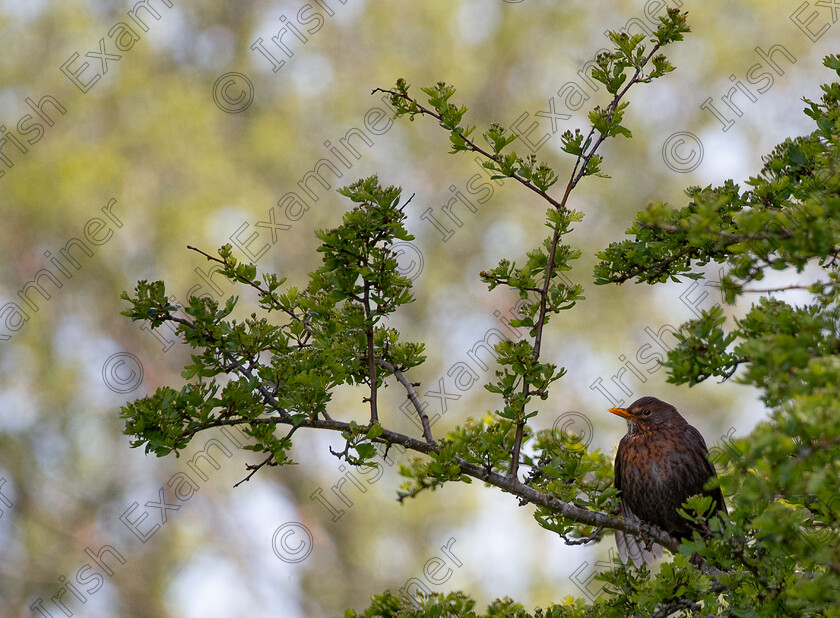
(661,462)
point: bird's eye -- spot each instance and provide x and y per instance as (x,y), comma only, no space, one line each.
(646,412)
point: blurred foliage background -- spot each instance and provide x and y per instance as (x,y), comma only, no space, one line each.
(149,135)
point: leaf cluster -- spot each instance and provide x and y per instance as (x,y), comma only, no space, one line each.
(288,369)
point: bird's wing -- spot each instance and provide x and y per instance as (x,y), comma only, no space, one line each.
(715,493)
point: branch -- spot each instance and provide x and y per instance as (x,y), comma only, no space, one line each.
(781,289)
(661,267)
(412,395)
(506,282)
(577,174)
(513,471)
(658,268)
(731,372)
(267,396)
(259,288)
(254,468)
(595,536)
(511,485)
(473,146)
(267,460)
(372,379)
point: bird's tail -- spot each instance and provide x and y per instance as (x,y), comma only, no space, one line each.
(632,547)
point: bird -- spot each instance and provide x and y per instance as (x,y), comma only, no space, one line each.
(661,462)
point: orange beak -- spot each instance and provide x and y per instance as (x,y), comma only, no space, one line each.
(621,412)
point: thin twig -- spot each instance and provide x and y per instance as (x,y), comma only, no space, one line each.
(472,145)
(372,379)
(245,371)
(254,468)
(406,203)
(595,536)
(578,172)
(781,289)
(259,288)
(412,395)
(661,267)
(513,471)
(504,281)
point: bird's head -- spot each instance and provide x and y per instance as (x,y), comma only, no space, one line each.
(648,413)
